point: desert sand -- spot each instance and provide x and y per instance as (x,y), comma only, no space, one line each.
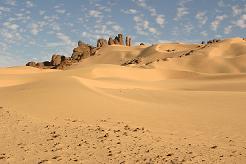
(183,103)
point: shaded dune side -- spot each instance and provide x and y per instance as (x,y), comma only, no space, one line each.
(224,57)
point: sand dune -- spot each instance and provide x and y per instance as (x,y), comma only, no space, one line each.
(183,103)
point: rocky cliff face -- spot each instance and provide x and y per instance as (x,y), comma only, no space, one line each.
(79,53)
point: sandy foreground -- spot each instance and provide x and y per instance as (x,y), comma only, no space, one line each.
(188,109)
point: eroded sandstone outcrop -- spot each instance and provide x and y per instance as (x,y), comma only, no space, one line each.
(102,42)
(110,41)
(128,41)
(57,59)
(81,52)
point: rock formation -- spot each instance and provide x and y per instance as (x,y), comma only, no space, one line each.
(110,41)
(80,43)
(120,39)
(213,41)
(101,42)
(32,64)
(57,59)
(116,40)
(81,52)
(141,44)
(128,41)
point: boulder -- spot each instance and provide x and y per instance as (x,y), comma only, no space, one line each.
(141,44)
(40,65)
(65,63)
(213,41)
(57,59)
(47,63)
(110,41)
(81,52)
(101,42)
(32,64)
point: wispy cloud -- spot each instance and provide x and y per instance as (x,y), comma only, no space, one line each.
(201,18)
(218,19)
(182,10)
(228,29)
(159,18)
(241,22)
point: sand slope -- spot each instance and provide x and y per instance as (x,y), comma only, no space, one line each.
(188,109)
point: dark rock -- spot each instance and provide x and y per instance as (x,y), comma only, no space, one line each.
(101,42)
(132,61)
(213,41)
(47,63)
(203,42)
(141,44)
(110,41)
(32,64)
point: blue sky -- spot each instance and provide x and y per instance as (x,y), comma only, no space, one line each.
(36,29)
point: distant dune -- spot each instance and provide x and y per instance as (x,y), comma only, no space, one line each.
(166,103)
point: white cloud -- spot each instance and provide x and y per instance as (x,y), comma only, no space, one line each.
(129,11)
(116,28)
(29,4)
(215,24)
(4,9)
(41,12)
(204,33)
(11,26)
(188,28)
(61,11)
(182,10)
(10,36)
(241,22)
(63,37)
(202,18)
(143,26)
(159,18)
(236,10)
(35,29)
(228,29)
(95,13)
